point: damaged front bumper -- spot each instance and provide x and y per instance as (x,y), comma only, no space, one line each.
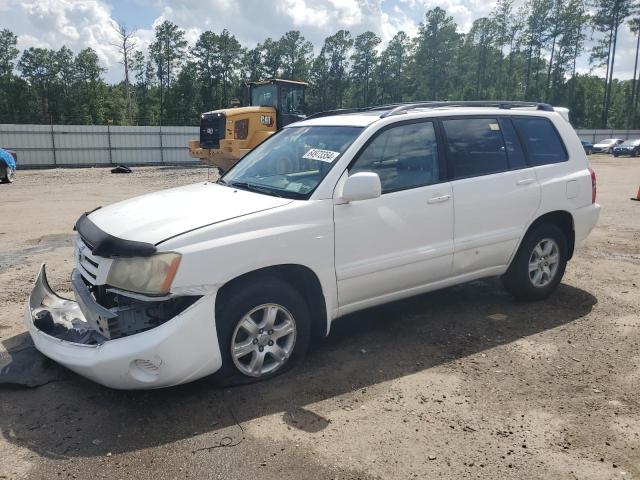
(180,350)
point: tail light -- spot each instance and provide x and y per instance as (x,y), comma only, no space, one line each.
(593,185)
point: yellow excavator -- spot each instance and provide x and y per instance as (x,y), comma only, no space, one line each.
(226,135)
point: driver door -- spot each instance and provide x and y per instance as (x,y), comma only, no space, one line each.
(395,245)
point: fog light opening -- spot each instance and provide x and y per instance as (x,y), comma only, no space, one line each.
(145,370)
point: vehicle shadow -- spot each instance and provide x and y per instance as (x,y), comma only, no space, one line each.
(77,418)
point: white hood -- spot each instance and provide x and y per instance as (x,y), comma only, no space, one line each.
(157,216)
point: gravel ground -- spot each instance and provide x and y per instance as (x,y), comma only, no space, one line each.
(463,382)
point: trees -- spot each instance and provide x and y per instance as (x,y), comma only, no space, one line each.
(529,54)
(271,55)
(634,25)
(8,52)
(228,58)
(336,49)
(126,47)
(206,67)
(364,60)
(167,52)
(295,55)
(319,83)
(39,68)
(607,18)
(391,76)
(433,62)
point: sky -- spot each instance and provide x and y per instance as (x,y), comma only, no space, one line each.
(89,23)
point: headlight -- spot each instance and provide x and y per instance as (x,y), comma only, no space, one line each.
(151,275)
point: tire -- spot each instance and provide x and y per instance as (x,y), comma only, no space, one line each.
(520,281)
(266,293)
(7,175)
(589,152)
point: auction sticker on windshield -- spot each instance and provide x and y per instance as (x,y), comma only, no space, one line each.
(322,155)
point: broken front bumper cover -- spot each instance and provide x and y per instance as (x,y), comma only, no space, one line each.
(180,350)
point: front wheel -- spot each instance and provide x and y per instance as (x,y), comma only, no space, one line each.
(7,175)
(263,330)
(539,264)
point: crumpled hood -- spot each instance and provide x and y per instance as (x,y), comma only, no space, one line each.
(160,215)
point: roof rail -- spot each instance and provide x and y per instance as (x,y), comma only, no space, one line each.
(339,111)
(503,104)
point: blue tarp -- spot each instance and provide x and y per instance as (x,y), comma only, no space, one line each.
(7,159)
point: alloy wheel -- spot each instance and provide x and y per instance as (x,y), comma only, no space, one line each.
(543,262)
(263,340)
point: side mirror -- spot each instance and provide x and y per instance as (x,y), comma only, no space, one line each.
(361,186)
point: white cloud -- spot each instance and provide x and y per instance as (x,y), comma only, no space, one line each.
(53,23)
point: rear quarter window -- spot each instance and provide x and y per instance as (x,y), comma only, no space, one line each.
(541,141)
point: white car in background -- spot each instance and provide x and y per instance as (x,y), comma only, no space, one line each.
(331,215)
(606,145)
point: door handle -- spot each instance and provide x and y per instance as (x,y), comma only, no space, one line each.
(525,181)
(440,199)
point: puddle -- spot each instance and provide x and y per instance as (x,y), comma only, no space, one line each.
(43,244)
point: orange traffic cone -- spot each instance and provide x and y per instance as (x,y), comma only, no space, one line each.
(637,199)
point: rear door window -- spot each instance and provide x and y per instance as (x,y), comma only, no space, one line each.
(475,146)
(515,154)
(542,143)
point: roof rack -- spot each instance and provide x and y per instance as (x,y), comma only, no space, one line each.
(344,111)
(468,103)
(339,111)
(397,108)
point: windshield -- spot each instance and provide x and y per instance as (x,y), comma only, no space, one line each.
(292,162)
(609,140)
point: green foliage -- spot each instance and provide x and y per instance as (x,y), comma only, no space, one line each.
(528,53)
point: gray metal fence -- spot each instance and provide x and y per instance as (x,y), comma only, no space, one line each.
(40,146)
(45,146)
(596,135)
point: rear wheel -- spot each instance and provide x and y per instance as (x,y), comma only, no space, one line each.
(539,264)
(263,330)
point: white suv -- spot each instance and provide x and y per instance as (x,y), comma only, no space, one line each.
(330,215)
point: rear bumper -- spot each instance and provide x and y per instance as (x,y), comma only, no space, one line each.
(183,349)
(584,219)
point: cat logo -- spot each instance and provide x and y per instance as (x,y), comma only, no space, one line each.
(266,120)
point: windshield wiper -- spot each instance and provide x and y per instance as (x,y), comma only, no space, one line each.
(255,188)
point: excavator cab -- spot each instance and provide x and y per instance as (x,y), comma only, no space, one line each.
(226,135)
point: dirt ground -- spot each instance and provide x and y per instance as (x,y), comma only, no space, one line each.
(459,383)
